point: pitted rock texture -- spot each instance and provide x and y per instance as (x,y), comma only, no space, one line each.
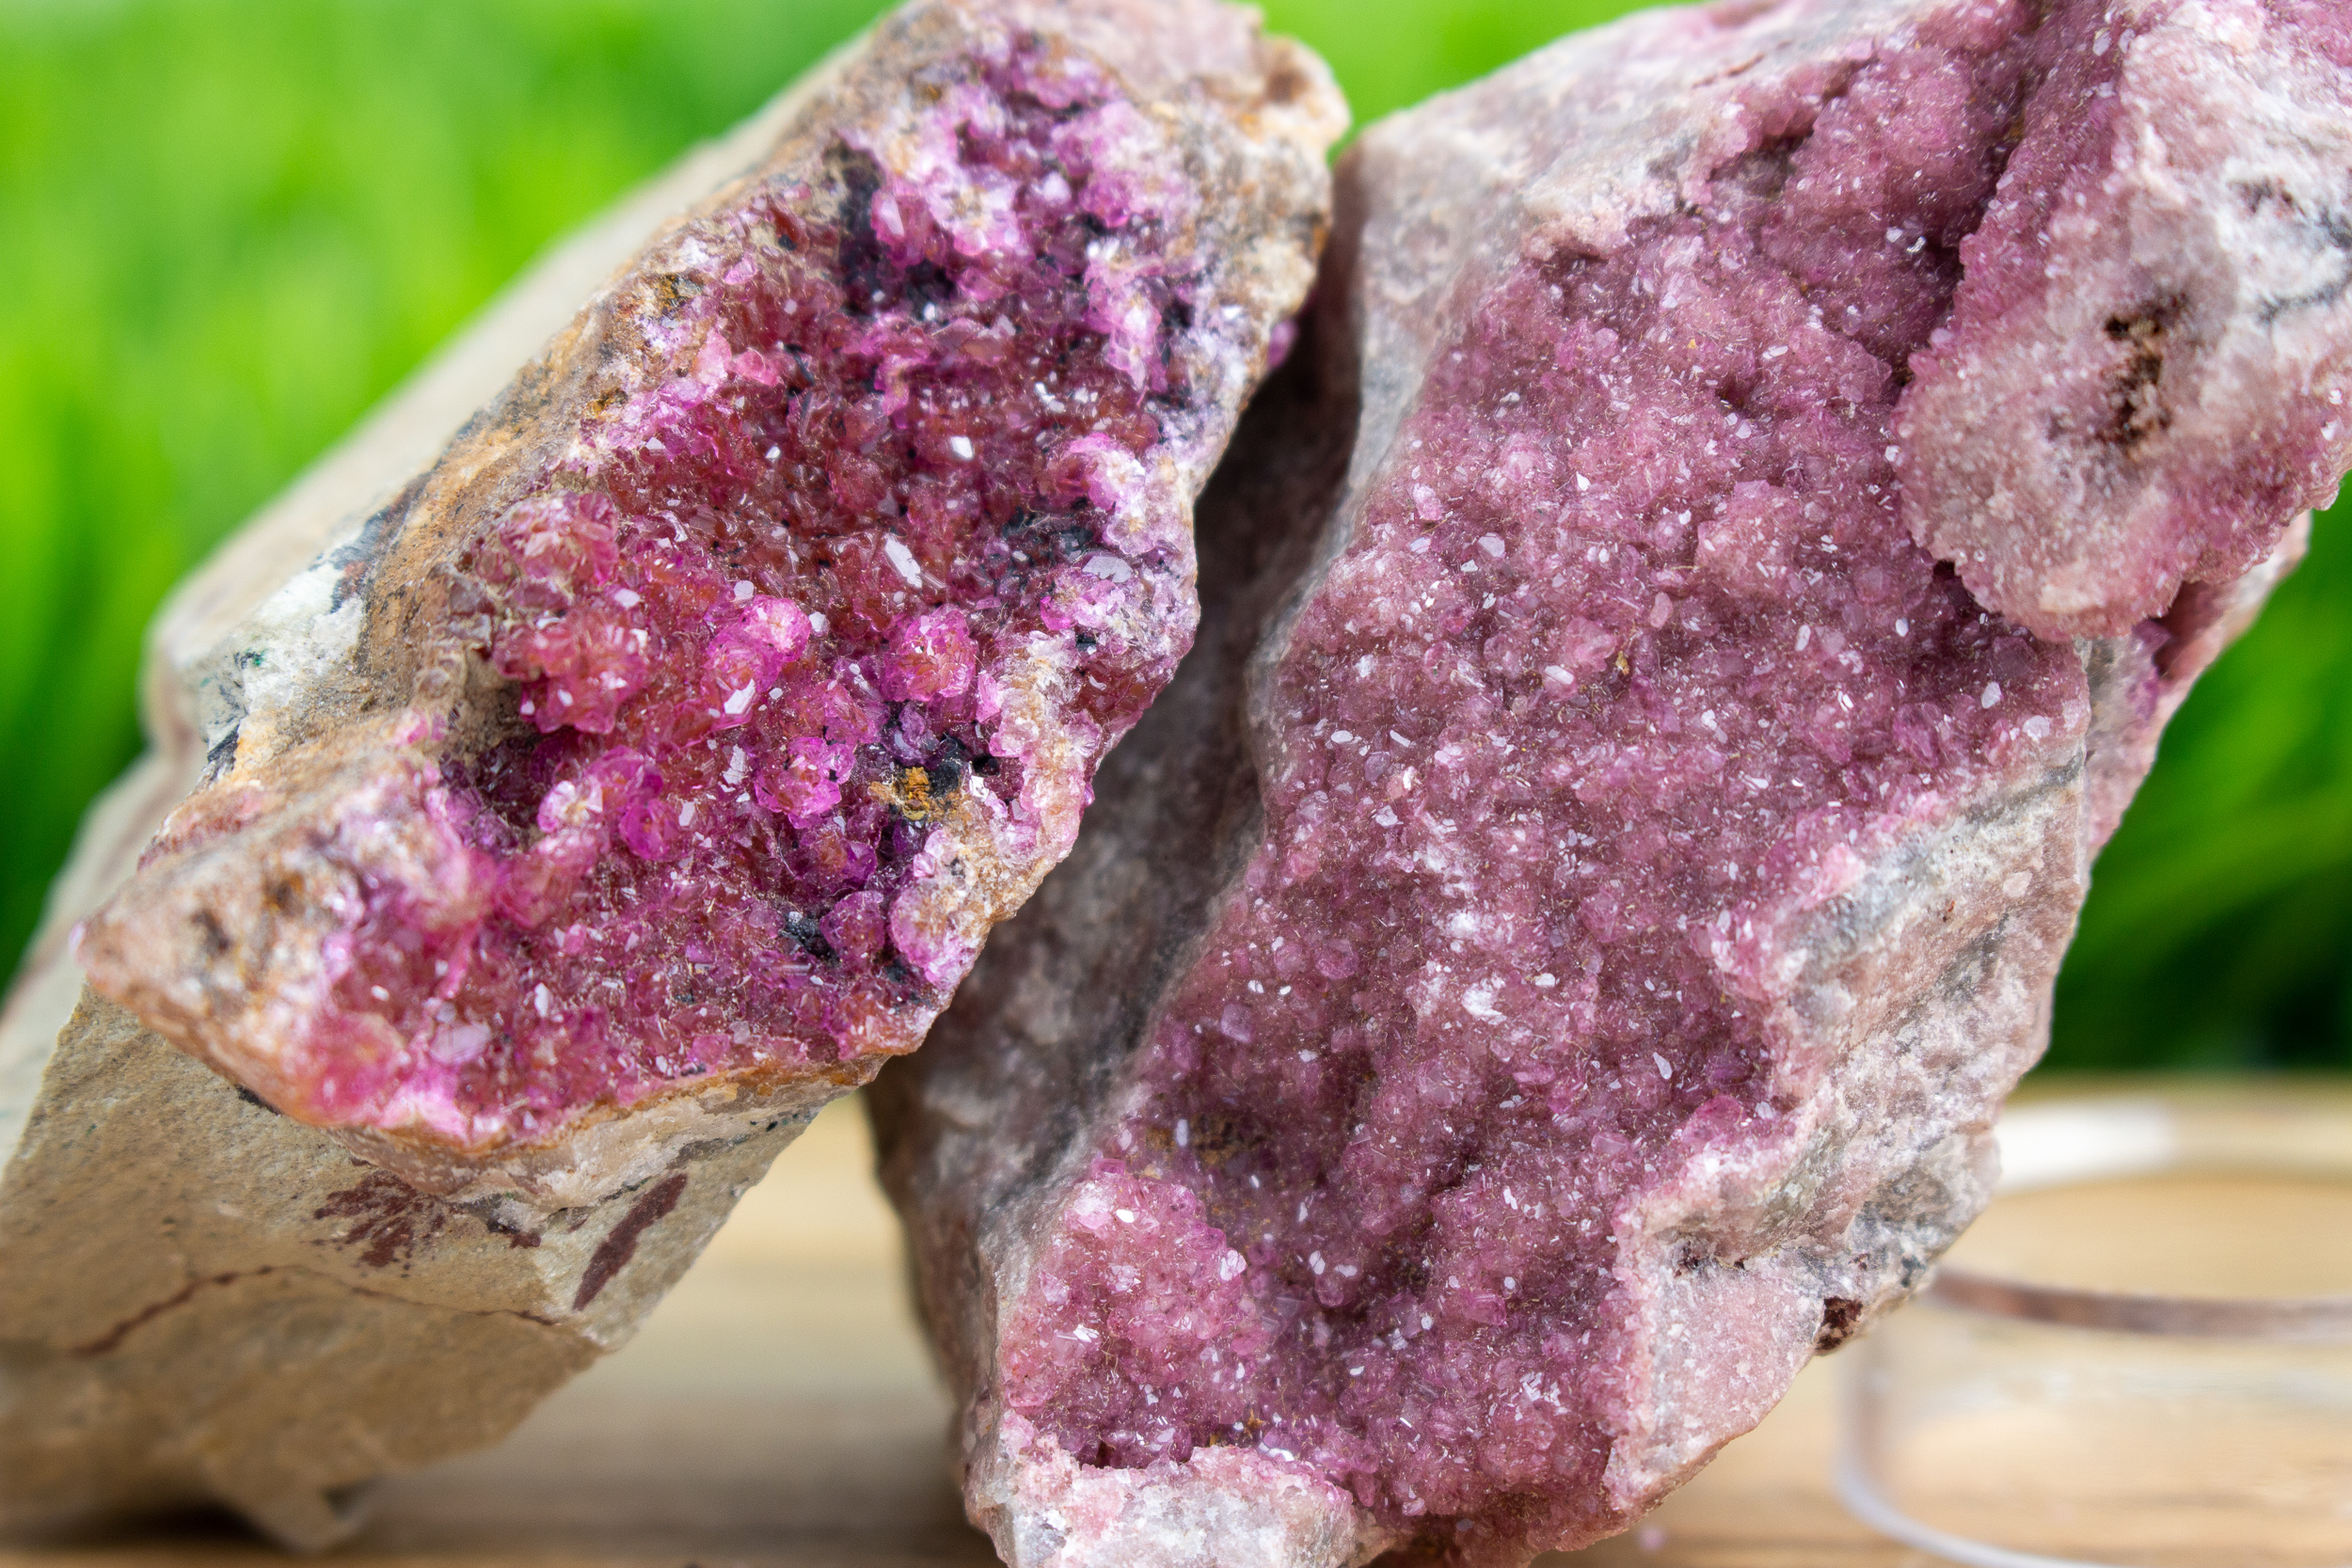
(678,737)
(1515,1005)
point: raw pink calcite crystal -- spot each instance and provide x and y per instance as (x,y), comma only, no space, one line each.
(2136,343)
(682,733)
(1549,965)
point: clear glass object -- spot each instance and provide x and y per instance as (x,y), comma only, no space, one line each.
(2140,1357)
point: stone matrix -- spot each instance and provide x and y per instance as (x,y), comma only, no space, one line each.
(579,797)
(1758,479)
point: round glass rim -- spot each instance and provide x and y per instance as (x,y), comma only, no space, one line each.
(2267,1130)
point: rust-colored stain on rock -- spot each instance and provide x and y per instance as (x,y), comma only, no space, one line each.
(390,1219)
(621,1245)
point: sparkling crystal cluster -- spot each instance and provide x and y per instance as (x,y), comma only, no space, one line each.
(1670,792)
(762,646)
(781,614)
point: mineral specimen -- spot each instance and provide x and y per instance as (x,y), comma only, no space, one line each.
(688,724)
(571,820)
(1548,966)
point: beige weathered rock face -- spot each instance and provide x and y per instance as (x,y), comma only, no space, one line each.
(209,1303)
(334,1167)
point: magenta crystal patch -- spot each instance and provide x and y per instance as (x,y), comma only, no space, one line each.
(898,522)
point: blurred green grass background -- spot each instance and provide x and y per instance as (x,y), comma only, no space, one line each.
(228,227)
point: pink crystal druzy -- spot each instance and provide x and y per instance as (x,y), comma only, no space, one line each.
(1628,641)
(1489,1157)
(750,620)
(769,664)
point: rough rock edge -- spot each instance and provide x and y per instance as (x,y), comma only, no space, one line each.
(102,1415)
(246,1315)
(981,1132)
(369,1326)
(1253,116)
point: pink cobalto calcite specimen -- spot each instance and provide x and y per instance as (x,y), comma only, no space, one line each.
(1551,962)
(578,778)
(671,747)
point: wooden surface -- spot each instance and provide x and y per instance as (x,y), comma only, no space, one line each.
(778,1411)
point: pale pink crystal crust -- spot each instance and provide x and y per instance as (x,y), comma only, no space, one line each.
(2139,341)
(1626,646)
(1662,861)
(771,664)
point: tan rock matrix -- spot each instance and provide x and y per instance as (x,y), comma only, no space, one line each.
(1758,480)
(579,793)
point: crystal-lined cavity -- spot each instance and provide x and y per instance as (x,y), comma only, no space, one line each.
(891,542)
